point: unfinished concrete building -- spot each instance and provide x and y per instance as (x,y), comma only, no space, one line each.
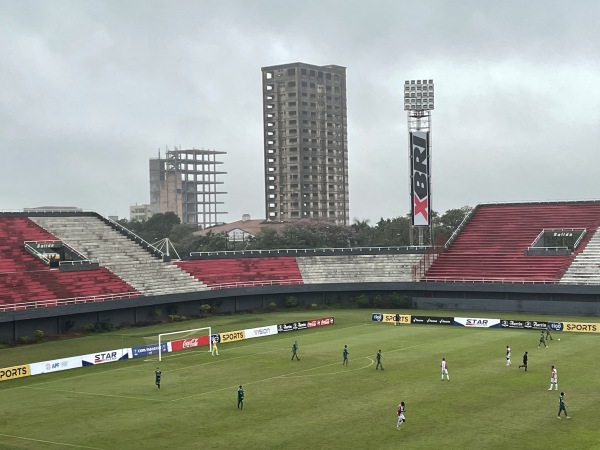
(185,182)
(305,142)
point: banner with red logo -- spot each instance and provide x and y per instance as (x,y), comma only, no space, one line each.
(320,322)
(191,342)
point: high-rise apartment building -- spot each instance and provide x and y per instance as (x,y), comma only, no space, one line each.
(185,182)
(305,142)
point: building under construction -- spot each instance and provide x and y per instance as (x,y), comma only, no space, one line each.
(305,142)
(185,182)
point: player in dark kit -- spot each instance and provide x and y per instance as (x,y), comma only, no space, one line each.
(345,354)
(548,335)
(562,406)
(542,340)
(378,357)
(157,374)
(295,350)
(397,319)
(240,397)
(524,362)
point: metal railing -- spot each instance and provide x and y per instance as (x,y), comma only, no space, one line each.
(68,301)
(243,284)
(311,251)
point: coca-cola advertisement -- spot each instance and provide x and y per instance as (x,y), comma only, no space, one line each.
(191,342)
(320,322)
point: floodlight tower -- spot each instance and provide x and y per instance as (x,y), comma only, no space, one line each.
(418,104)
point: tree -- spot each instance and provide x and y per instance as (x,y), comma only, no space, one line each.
(451,220)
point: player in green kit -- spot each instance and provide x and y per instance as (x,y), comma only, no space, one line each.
(157,374)
(542,340)
(295,350)
(345,354)
(562,406)
(240,397)
(378,357)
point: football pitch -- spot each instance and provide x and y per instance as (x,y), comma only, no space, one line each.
(314,403)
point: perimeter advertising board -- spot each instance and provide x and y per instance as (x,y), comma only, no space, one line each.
(390,318)
(431,320)
(55,365)
(420,175)
(581,327)
(9,373)
(105,357)
(475,322)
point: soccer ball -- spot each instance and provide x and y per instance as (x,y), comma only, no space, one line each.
(559,339)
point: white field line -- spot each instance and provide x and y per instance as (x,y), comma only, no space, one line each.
(285,375)
(93,393)
(49,442)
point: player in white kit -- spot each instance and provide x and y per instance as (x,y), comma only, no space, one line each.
(553,379)
(444,366)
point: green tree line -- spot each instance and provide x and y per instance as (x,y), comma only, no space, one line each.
(300,235)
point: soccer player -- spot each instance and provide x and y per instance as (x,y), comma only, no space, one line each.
(295,350)
(444,366)
(562,406)
(157,374)
(542,340)
(400,415)
(553,379)
(508,356)
(215,349)
(548,335)
(240,397)
(345,354)
(524,361)
(397,318)
(378,357)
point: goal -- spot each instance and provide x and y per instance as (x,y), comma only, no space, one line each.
(180,340)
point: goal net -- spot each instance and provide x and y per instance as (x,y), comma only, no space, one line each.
(184,340)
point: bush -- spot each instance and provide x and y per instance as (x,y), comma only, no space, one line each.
(204,310)
(105,325)
(378,301)
(314,306)
(39,335)
(291,302)
(361,301)
(89,328)
(272,306)
(156,313)
(176,318)
(24,340)
(396,300)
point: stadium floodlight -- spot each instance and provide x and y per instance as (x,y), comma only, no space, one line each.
(185,339)
(418,95)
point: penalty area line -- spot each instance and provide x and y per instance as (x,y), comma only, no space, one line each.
(258,381)
(94,394)
(50,442)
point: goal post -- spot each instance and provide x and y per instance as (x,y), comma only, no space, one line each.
(184,339)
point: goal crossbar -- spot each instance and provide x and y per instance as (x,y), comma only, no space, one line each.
(185,334)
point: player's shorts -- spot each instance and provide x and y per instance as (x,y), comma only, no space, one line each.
(444,371)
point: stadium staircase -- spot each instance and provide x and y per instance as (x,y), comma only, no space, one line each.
(25,279)
(493,242)
(97,240)
(586,266)
(236,272)
(357,268)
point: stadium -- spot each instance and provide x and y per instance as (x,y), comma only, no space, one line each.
(528,257)
(533,266)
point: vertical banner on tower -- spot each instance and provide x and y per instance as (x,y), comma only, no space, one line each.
(420,178)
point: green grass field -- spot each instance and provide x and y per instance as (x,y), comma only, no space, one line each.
(315,402)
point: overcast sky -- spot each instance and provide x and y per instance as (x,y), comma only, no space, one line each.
(90,90)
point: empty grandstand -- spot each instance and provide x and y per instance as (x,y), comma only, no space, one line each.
(501,242)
